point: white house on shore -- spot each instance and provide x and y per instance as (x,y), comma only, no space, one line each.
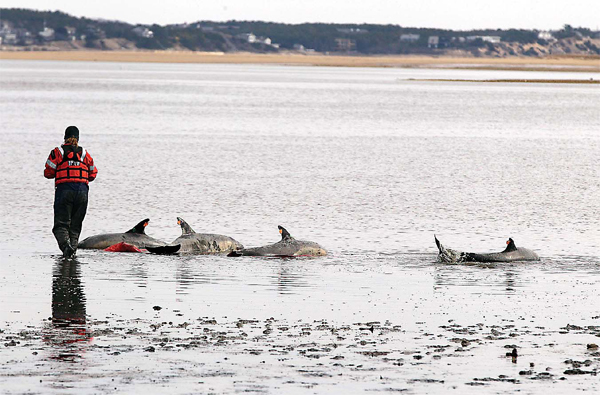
(144,32)
(433,41)
(248,37)
(263,40)
(47,34)
(545,36)
(487,39)
(253,39)
(411,38)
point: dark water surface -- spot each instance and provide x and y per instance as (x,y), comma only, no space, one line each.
(364,162)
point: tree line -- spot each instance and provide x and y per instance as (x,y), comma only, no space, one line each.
(224,36)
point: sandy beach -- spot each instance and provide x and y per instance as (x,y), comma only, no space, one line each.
(557,63)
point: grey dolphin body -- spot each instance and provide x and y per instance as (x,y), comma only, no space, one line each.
(203,243)
(135,236)
(510,254)
(286,247)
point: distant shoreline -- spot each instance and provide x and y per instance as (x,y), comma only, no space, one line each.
(554,63)
(518,81)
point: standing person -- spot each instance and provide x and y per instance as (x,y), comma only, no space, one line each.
(73,168)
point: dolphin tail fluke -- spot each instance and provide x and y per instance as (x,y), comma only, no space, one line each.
(164,250)
(447,255)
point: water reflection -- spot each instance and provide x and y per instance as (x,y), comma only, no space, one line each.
(139,272)
(495,277)
(510,280)
(190,272)
(69,334)
(185,278)
(287,280)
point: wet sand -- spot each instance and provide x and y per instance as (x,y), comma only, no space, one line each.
(556,63)
(264,354)
(419,340)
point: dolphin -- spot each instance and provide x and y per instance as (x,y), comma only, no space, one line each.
(510,254)
(191,242)
(135,236)
(286,247)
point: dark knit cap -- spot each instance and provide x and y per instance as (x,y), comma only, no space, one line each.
(72,131)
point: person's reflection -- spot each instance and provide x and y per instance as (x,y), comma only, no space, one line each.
(69,334)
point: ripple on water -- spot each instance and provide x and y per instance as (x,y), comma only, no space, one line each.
(368,167)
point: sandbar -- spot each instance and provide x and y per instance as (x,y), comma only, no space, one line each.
(550,63)
(519,81)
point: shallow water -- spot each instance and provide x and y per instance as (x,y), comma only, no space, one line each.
(364,162)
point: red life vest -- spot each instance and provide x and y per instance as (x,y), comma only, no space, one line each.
(72,168)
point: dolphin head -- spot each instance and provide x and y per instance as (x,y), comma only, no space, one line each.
(285,235)
(510,245)
(185,228)
(140,227)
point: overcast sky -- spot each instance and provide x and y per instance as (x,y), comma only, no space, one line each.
(447,14)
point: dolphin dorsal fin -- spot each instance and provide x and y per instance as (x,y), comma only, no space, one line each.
(185,228)
(285,235)
(510,245)
(439,245)
(140,227)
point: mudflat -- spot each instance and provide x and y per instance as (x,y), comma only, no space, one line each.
(554,63)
